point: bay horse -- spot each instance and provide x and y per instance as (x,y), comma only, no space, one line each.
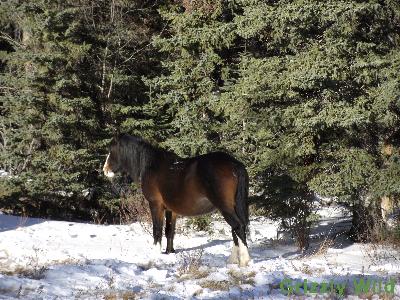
(185,186)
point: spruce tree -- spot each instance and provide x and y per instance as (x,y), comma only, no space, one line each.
(184,93)
(304,89)
(322,75)
(73,77)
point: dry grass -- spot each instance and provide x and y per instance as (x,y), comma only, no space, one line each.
(147,265)
(324,247)
(191,265)
(23,219)
(238,278)
(379,253)
(305,269)
(256,210)
(120,295)
(33,268)
(384,243)
(370,295)
(216,285)
(194,274)
(34,271)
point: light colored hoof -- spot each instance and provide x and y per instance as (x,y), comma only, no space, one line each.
(244,260)
(156,249)
(234,258)
(244,257)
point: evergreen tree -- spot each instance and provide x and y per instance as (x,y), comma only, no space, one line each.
(304,89)
(327,93)
(73,77)
(184,94)
(305,93)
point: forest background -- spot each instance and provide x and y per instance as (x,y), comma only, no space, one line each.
(305,93)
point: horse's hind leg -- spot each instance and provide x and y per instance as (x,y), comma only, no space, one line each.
(157,215)
(239,238)
(170,222)
(234,258)
(244,256)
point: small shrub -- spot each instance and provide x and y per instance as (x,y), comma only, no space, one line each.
(134,208)
(191,265)
(289,202)
(202,223)
(324,246)
(384,243)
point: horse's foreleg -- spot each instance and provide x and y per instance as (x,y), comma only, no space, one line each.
(157,215)
(170,221)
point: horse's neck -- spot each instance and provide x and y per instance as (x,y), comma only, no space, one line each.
(161,157)
(140,162)
(171,158)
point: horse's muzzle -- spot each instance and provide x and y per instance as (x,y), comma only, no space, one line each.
(107,170)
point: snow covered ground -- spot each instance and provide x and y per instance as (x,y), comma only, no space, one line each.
(44,259)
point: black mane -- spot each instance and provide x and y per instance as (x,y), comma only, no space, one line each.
(137,155)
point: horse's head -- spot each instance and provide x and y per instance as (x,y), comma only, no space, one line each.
(129,155)
(113,160)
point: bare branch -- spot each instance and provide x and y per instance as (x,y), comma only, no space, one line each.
(8,38)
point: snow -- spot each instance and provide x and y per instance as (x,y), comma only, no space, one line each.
(45,259)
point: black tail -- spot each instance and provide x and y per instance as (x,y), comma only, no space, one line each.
(242,194)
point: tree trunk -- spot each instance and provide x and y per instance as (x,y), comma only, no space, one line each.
(366,220)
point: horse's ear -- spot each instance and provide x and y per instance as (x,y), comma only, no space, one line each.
(116,133)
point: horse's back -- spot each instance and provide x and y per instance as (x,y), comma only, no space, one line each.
(218,156)
(199,184)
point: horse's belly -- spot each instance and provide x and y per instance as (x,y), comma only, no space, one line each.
(202,206)
(194,207)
